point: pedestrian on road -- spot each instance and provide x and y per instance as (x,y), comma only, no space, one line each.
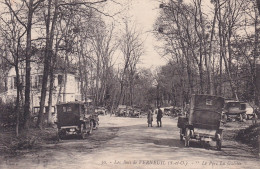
(150,117)
(159,117)
(255,117)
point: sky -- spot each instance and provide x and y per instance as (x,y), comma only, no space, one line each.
(143,13)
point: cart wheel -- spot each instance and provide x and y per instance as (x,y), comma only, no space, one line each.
(219,145)
(187,138)
(181,136)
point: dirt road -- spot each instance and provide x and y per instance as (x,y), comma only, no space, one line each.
(128,143)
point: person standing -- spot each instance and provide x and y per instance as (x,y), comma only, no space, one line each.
(150,117)
(159,117)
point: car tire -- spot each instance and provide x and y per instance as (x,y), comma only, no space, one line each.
(187,137)
(61,134)
(91,126)
(219,145)
(181,136)
(83,131)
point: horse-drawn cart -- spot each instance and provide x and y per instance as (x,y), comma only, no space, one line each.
(202,122)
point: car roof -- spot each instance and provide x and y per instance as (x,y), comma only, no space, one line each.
(75,102)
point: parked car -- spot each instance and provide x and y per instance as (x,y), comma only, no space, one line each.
(249,110)
(121,110)
(101,110)
(234,110)
(167,111)
(202,121)
(76,118)
(136,112)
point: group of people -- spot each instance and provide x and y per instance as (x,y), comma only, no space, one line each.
(158,117)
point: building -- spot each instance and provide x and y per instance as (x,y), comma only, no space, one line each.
(64,90)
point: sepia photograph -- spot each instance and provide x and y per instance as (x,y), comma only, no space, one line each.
(129,84)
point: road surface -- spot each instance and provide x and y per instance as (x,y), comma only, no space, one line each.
(127,143)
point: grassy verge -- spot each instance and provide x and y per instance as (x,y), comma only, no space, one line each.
(250,135)
(27,140)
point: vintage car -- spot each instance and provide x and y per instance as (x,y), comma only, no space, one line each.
(135,112)
(202,122)
(101,110)
(121,110)
(234,110)
(76,118)
(250,110)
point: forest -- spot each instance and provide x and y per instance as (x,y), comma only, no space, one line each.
(211,47)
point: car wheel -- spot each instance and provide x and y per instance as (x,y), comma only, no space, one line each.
(241,117)
(219,145)
(181,136)
(83,131)
(91,125)
(187,137)
(61,134)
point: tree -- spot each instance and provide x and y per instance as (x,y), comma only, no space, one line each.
(50,28)
(258,5)
(12,34)
(26,10)
(205,41)
(131,48)
(70,33)
(104,47)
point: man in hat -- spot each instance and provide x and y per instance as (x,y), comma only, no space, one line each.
(159,117)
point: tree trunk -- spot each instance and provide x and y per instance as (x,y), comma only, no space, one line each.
(47,60)
(28,54)
(52,79)
(258,5)
(17,108)
(256,54)
(65,77)
(211,85)
(221,52)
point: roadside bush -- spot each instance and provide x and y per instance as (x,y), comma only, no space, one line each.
(7,115)
(250,135)
(32,138)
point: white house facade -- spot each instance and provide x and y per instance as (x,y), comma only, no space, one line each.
(66,87)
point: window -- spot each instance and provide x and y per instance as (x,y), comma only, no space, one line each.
(242,106)
(23,80)
(60,79)
(77,81)
(69,109)
(35,84)
(11,83)
(209,102)
(39,81)
(15,82)
(6,87)
(64,109)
